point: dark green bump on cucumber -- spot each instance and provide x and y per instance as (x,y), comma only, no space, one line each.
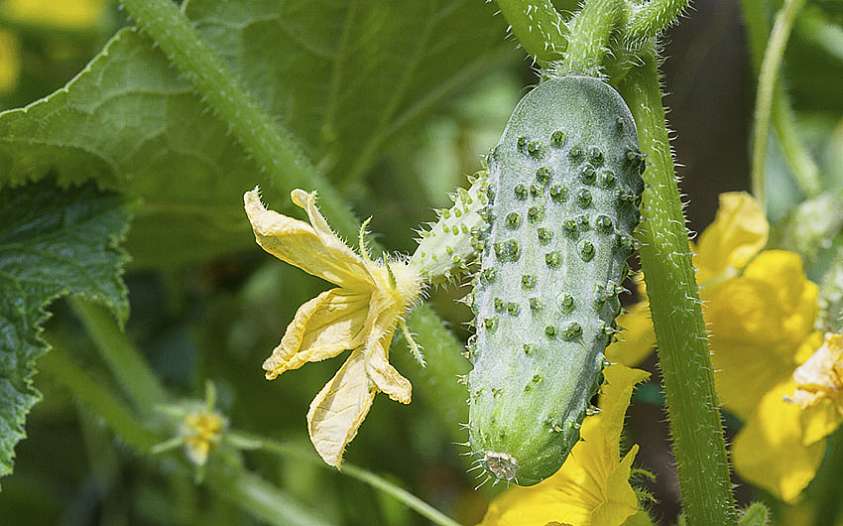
(568,164)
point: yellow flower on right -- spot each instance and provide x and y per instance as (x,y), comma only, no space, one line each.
(783,379)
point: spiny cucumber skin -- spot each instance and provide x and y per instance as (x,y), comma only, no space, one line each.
(448,246)
(562,210)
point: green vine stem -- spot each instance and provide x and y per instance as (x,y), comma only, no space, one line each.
(538,26)
(379,483)
(805,170)
(251,493)
(695,422)
(589,36)
(273,148)
(143,388)
(767,80)
(137,380)
(652,18)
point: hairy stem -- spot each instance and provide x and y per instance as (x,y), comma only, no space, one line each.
(695,422)
(273,148)
(379,483)
(652,18)
(128,366)
(591,30)
(770,66)
(538,26)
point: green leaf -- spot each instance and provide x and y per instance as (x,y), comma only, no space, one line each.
(345,77)
(52,243)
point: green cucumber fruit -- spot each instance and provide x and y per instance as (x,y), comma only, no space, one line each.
(564,189)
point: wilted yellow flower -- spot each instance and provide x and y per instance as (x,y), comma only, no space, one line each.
(360,315)
(592,487)
(760,309)
(68,14)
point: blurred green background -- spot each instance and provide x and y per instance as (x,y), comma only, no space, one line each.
(220,318)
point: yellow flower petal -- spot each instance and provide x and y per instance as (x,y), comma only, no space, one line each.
(323,327)
(592,487)
(757,323)
(819,421)
(738,232)
(636,340)
(70,14)
(769,450)
(9,61)
(310,248)
(340,407)
(387,379)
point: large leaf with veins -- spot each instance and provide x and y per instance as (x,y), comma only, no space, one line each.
(344,76)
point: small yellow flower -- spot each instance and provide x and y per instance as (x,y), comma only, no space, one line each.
(201,431)
(67,14)
(360,315)
(592,487)
(200,428)
(760,309)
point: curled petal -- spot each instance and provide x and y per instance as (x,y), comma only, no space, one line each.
(340,407)
(323,327)
(387,379)
(305,247)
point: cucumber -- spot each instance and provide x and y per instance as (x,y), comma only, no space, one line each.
(564,190)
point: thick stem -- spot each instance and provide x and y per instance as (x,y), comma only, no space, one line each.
(591,30)
(538,26)
(379,483)
(128,366)
(652,18)
(698,443)
(273,148)
(770,66)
